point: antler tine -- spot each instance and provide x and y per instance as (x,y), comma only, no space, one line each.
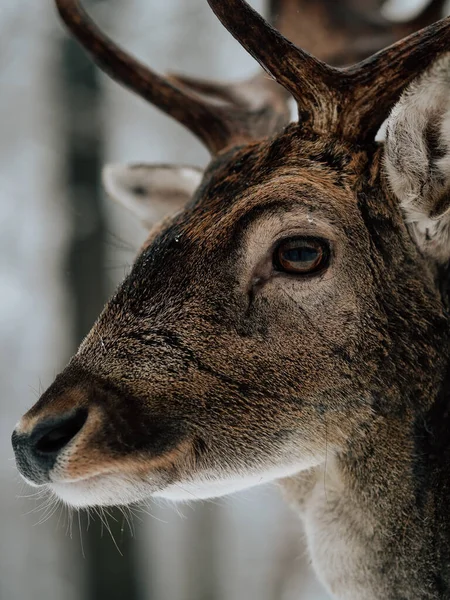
(312,83)
(128,71)
(378,81)
(217,127)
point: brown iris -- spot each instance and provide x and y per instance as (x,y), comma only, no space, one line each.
(301,256)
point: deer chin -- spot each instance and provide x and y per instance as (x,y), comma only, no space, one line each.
(109,489)
(122,488)
(206,486)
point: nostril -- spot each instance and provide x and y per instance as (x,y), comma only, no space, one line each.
(52,435)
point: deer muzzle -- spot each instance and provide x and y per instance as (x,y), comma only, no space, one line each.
(38,450)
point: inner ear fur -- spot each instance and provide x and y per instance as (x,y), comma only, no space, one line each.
(151,192)
(417,158)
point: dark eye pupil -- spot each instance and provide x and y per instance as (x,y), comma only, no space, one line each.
(300,255)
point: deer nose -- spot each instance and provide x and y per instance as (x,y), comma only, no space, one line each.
(36,452)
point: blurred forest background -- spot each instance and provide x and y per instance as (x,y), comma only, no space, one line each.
(64,248)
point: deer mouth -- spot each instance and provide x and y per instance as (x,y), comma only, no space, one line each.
(68,454)
(116,481)
(87,451)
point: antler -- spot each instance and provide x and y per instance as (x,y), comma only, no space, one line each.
(378,81)
(351,102)
(220,116)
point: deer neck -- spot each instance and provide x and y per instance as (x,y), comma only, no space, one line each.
(377,515)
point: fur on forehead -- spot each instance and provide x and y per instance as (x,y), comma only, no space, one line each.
(277,169)
(296,147)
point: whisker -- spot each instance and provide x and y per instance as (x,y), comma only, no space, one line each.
(81,535)
(140,508)
(197,498)
(126,517)
(61,512)
(50,509)
(70,523)
(39,494)
(110,531)
(88,514)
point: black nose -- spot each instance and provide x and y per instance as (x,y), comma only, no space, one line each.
(36,453)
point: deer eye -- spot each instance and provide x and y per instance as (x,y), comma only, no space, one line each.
(301,256)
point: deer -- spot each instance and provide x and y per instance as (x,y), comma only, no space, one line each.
(348,31)
(288,319)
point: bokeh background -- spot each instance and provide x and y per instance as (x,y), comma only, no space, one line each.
(63,249)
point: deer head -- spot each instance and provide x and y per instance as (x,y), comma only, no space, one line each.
(287,303)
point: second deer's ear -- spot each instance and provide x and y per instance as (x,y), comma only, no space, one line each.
(151,192)
(417,158)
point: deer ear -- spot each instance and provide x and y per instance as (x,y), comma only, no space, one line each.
(417,158)
(151,192)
